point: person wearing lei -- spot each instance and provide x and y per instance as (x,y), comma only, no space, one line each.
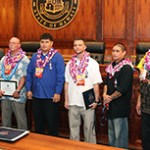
(13,68)
(11,63)
(144,66)
(117,95)
(143,100)
(78,71)
(111,69)
(44,84)
(82,73)
(40,64)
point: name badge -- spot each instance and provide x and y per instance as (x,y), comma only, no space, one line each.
(39,72)
(80,80)
(7,69)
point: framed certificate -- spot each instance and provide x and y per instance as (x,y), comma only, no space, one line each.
(9,87)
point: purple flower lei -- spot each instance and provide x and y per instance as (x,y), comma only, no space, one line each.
(42,63)
(112,70)
(78,69)
(147,61)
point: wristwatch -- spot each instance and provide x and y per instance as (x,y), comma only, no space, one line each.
(96,102)
(18,91)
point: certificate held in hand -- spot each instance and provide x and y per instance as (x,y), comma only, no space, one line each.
(8,87)
(89,97)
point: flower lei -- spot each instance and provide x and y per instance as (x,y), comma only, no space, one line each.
(147,61)
(112,70)
(42,63)
(78,69)
(12,61)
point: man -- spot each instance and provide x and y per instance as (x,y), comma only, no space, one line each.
(143,101)
(117,94)
(44,84)
(82,73)
(13,68)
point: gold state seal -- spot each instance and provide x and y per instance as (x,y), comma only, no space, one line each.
(54,14)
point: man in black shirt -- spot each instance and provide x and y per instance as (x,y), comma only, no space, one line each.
(117,94)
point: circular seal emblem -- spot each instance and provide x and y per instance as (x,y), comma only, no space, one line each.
(54,14)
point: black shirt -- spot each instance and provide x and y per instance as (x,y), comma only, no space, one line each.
(122,82)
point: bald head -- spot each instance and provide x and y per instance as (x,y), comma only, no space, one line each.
(14,40)
(14,44)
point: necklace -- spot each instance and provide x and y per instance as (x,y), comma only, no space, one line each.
(42,63)
(80,68)
(147,61)
(112,70)
(10,64)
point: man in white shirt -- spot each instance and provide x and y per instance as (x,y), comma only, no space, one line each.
(82,73)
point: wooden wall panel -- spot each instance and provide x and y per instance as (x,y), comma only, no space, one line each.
(7,20)
(99,33)
(28,28)
(114,16)
(83,25)
(142,19)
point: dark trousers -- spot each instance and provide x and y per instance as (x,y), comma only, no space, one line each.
(45,114)
(146,131)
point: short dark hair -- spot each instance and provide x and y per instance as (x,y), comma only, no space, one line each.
(82,39)
(79,38)
(46,36)
(121,45)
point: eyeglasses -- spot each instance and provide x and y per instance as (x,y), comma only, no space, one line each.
(13,43)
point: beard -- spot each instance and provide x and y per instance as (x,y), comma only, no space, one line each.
(79,52)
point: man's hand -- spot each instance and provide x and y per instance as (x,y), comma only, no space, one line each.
(66,104)
(106,99)
(1,93)
(29,95)
(56,98)
(16,94)
(93,105)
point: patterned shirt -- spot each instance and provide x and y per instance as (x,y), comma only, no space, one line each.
(20,72)
(145,97)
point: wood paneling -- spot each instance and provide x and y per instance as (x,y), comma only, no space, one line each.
(83,25)
(99,8)
(7,20)
(28,28)
(17,20)
(142,20)
(114,16)
(112,21)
